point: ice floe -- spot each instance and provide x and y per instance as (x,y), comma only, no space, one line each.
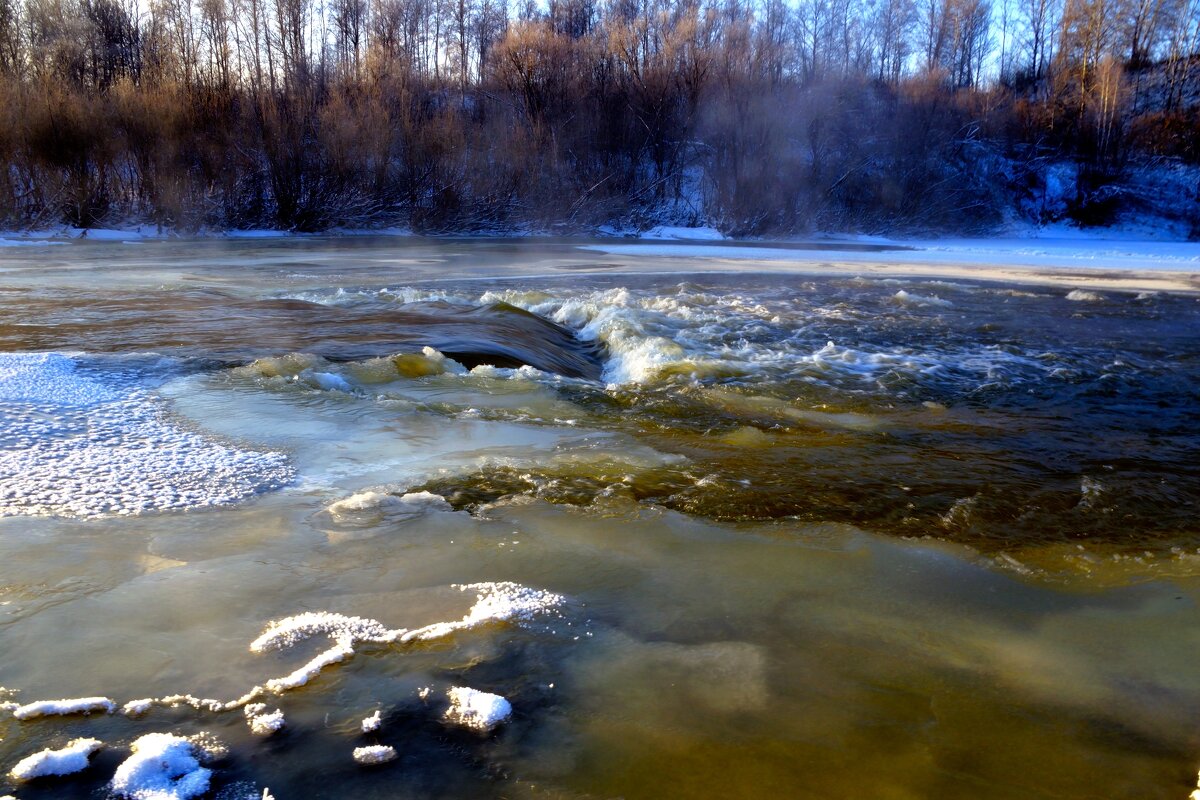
(290,631)
(495,602)
(373,722)
(477,710)
(74,445)
(262,722)
(63,761)
(163,766)
(56,708)
(135,708)
(374,754)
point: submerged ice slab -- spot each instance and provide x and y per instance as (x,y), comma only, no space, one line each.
(76,445)
(64,761)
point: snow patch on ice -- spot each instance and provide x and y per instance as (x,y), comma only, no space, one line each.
(162,767)
(261,722)
(42,378)
(57,708)
(177,777)
(345,631)
(477,710)
(63,761)
(374,754)
(687,234)
(264,233)
(74,445)
(495,602)
(288,632)
(136,708)
(25,243)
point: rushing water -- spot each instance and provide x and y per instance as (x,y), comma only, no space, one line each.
(809,531)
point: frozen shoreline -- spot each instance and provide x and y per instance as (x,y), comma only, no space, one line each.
(1111,259)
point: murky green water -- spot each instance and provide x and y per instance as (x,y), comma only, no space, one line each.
(815,535)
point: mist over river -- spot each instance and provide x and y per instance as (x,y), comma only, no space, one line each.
(837,521)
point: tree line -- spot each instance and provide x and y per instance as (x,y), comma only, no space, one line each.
(762,115)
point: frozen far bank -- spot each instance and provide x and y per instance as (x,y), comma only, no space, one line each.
(1109,260)
(1064,257)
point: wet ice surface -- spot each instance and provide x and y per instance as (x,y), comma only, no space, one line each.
(74,444)
(951,554)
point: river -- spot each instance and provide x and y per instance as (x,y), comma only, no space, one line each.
(729,522)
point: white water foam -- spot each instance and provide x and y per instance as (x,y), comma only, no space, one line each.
(688,333)
(409,503)
(906,298)
(75,445)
